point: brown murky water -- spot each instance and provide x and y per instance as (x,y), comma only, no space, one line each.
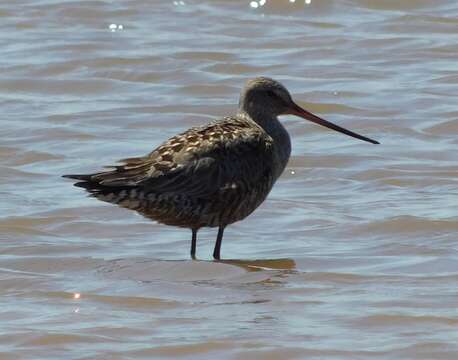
(353,256)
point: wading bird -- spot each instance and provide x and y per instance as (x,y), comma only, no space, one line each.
(212,175)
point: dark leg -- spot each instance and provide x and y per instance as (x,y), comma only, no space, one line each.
(219,239)
(193,244)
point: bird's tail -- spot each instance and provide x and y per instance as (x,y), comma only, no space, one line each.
(93,184)
(121,195)
(78,177)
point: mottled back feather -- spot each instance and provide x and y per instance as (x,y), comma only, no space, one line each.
(198,163)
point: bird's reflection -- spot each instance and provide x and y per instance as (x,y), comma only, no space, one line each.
(262,264)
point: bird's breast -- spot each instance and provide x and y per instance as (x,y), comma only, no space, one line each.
(281,147)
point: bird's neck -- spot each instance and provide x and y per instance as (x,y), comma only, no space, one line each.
(275,129)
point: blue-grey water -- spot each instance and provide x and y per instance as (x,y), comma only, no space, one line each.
(353,255)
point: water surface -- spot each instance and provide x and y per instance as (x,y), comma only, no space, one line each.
(353,255)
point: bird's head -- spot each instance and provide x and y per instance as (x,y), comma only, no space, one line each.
(265,97)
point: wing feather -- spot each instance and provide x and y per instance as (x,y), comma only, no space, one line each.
(197,162)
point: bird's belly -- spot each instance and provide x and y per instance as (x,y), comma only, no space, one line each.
(169,209)
(230,204)
(238,206)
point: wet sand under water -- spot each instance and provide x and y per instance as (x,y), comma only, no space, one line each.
(353,255)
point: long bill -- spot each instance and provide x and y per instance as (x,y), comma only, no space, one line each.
(298,111)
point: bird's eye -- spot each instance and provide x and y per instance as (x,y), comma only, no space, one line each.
(271,94)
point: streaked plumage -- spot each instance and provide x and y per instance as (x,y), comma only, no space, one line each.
(208,176)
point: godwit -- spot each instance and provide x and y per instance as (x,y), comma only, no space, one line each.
(213,175)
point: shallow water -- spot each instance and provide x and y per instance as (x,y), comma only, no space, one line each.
(353,255)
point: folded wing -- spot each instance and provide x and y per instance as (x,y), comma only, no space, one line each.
(196,163)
